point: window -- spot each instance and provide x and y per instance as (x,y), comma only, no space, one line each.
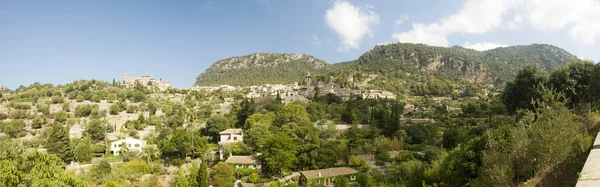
(353,177)
(254,166)
(129,145)
(234,138)
(115,145)
(240,165)
(137,145)
(120,145)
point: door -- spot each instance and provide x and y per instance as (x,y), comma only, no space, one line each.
(327,182)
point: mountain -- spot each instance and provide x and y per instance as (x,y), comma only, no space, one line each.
(404,63)
(261,68)
(458,63)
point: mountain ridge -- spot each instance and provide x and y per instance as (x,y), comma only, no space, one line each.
(457,63)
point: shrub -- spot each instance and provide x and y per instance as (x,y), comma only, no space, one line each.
(14,128)
(130,109)
(96,98)
(79,98)
(44,109)
(3,116)
(84,110)
(57,99)
(21,106)
(17,114)
(60,116)
(114,109)
(138,166)
(37,122)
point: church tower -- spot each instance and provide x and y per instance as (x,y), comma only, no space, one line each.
(308,79)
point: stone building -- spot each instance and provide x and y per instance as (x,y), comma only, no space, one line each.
(146,80)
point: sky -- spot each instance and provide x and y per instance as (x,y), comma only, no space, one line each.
(65,40)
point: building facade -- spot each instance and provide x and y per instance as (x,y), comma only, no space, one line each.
(131,144)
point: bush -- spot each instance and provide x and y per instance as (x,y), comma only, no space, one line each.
(101,169)
(14,128)
(111,97)
(44,109)
(114,109)
(17,114)
(21,106)
(138,166)
(130,109)
(96,98)
(57,99)
(37,122)
(3,116)
(84,110)
(60,116)
(79,98)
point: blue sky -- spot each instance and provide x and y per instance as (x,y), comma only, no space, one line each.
(61,41)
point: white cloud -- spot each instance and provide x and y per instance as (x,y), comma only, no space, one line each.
(386,43)
(475,17)
(420,34)
(351,23)
(515,23)
(316,40)
(580,17)
(400,20)
(483,46)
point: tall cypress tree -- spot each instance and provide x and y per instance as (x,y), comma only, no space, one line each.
(202,177)
(58,142)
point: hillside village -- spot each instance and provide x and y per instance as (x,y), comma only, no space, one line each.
(334,130)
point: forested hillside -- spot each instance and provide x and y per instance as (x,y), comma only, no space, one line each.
(460,64)
(261,68)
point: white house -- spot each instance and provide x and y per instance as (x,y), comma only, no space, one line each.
(131,143)
(231,135)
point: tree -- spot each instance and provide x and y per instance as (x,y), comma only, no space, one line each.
(96,130)
(60,116)
(292,113)
(58,142)
(14,128)
(82,149)
(38,122)
(151,152)
(179,144)
(279,154)
(247,108)
(520,92)
(114,109)
(574,81)
(202,177)
(79,98)
(42,169)
(96,98)
(215,125)
(222,175)
(102,169)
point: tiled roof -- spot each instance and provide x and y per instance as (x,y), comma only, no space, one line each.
(241,160)
(330,172)
(231,131)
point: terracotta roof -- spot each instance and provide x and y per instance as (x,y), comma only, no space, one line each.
(231,131)
(330,172)
(241,160)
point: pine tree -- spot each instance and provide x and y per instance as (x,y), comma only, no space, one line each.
(202,177)
(58,142)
